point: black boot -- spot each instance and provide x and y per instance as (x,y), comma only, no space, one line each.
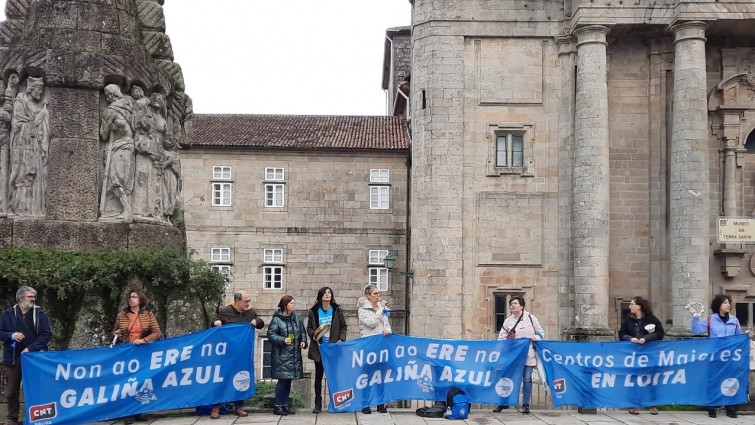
(730,412)
(279,410)
(712,412)
(525,409)
(318,405)
(499,408)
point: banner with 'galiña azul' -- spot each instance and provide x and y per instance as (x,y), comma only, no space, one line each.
(83,386)
(379,369)
(702,371)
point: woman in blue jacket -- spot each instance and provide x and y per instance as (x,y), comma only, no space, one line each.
(718,325)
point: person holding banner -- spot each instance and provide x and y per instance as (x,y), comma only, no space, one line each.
(24,327)
(326,324)
(522,324)
(136,325)
(288,337)
(718,325)
(373,320)
(641,326)
(240,311)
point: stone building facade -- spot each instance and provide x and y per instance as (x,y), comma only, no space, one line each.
(287,204)
(579,153)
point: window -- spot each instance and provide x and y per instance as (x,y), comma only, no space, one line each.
(745,313)
(509,150)
(379,196)
(501,301)
(273,277)
(267,363)
(274,195)
(226,271)
(220,255)
(510,147)
(221,194)
(221,172)
(275,174)
(273,255)
(379,175)
(378,275)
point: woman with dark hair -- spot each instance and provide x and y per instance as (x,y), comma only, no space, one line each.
(325,314)
(288,337)
(718,325)
(641,326)
(522,324)
(136,325)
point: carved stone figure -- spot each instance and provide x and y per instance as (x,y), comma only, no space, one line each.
(151,128)
(6,115)
(171,184)
(137,93)
(181,111)
(29,146)
(117,129)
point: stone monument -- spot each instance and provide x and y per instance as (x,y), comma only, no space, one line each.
(92,118)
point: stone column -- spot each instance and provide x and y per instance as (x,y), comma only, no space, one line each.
(590,187)
(689,196)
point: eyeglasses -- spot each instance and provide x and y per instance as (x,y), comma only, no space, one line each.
(375,293)
(246,301)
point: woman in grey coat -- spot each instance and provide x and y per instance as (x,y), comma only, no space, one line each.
(288,337)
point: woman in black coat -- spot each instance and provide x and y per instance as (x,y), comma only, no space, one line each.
(325,311)
(288,337)
(641,326)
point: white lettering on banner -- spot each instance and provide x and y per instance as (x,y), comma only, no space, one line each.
(171,357)
(608,380)
(407,373)
(632,360)
(463,376)
(670,358)
(446,350)
(79,372)
(358,358)
(579,359)
(70,398)
(220,349)
(200,377)
(492,357)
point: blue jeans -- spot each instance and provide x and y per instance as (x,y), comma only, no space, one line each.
(282,391)
(527,385)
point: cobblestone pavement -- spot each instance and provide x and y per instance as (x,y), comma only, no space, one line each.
(477,417)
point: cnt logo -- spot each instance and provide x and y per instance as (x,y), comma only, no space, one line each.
(43,411)
(342,398)
(559,386)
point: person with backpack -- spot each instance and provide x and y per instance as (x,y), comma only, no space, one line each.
(522,324)
(641,326)
(326,314)
(718,325)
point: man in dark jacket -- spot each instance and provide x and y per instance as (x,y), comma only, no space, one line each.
(23,327)
(238,312)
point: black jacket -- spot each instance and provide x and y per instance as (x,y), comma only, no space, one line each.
(286,359)
(632,327)
(337,329)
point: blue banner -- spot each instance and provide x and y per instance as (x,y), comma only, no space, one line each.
(703,372)
(83,386)
(379,369)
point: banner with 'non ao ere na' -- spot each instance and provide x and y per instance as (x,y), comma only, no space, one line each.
(83,386)
(702,371)
(380,369)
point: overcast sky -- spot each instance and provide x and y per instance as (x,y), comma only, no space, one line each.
(283,56)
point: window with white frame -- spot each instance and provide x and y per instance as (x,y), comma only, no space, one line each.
(378,276)
(266,348)
(226,271)
(221,190)
(379,197)
(220,255)
(380,175)
(274,195)
(272,268)
(274,174)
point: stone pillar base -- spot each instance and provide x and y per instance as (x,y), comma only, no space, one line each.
(678,332)
(589,334)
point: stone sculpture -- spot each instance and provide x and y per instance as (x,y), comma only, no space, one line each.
(117,129)
(151,130)
(181,111)
(29,148)
(6,115)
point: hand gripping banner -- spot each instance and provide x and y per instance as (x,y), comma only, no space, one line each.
(83,386)
(702,371)
(379,369)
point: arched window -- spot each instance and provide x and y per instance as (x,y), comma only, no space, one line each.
(750,143)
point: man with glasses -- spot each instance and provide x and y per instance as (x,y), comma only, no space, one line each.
(23,327)
(240,311)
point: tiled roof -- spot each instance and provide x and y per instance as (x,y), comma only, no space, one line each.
(299,131)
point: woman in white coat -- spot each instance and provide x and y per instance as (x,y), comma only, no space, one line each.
(523,325)
(373,320)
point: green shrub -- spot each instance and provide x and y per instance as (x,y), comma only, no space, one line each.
(263,388)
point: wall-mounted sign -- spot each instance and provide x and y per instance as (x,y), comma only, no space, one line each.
(735,229)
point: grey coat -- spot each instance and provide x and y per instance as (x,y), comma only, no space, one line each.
(286,359)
